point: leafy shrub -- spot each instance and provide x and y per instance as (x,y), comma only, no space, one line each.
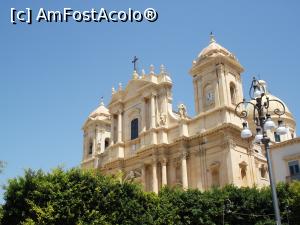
(77,197)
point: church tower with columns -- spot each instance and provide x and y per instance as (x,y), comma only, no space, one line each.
(140,136)
(96,136)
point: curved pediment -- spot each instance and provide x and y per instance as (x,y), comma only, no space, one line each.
(135,88)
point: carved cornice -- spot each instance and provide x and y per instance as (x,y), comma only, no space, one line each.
(213,61)
(229,142)
(292,157)
(114,164)
(285,143)
(215,130)
(88,160)
(163,161)
(214,110)
(184,155)
(132,142)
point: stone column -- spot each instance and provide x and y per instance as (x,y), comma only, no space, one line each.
(152,110)
(184,171)
(229,146)
(143,175)
(200,99)
(120,127)
(143,114)
(201,168)
(164,180)
(154,177)
(112,129)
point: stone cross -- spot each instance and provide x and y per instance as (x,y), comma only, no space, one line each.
(134,61)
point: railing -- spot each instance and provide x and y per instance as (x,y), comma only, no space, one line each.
(293,177)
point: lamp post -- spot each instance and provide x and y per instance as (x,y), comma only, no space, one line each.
(263,122)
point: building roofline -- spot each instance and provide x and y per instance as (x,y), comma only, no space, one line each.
(285,143)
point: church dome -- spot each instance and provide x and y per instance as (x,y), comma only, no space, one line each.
(212,55)
(100,114)
(214,49)
(274,104)
(101,111)
(288,117)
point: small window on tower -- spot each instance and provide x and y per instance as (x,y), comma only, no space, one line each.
(106,143)
(134,128)
(276,137)
(233,93)
(91,148)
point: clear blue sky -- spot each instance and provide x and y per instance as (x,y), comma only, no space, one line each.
(53,75)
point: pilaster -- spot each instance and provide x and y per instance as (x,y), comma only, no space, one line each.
(154,176)
(164,180)
(184,174)
(120,122)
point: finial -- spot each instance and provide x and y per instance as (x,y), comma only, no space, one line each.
(151,69)
(212,38)
(135,75)
(113,91)
(134,61)
(101,101)
(120,87)
(162,69)
(143,72)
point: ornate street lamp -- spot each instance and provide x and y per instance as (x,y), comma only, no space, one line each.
(263,122)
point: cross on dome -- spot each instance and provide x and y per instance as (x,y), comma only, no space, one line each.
(101,101)
(212,38)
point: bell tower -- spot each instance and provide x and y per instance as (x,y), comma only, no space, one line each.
(216,78)
(97,136)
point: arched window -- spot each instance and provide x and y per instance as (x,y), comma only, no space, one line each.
(243,169)
(243,173)
(134,128)
(263,171)
(215,174)
(90,148)
(215,177)
(106,143)
(233,93)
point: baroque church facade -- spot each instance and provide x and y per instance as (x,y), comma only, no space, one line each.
(140,136)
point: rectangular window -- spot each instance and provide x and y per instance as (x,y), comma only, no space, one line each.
(91,148)
(294,167)
(134,129)
(276,137)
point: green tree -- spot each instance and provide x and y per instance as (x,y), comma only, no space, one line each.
(77,197)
